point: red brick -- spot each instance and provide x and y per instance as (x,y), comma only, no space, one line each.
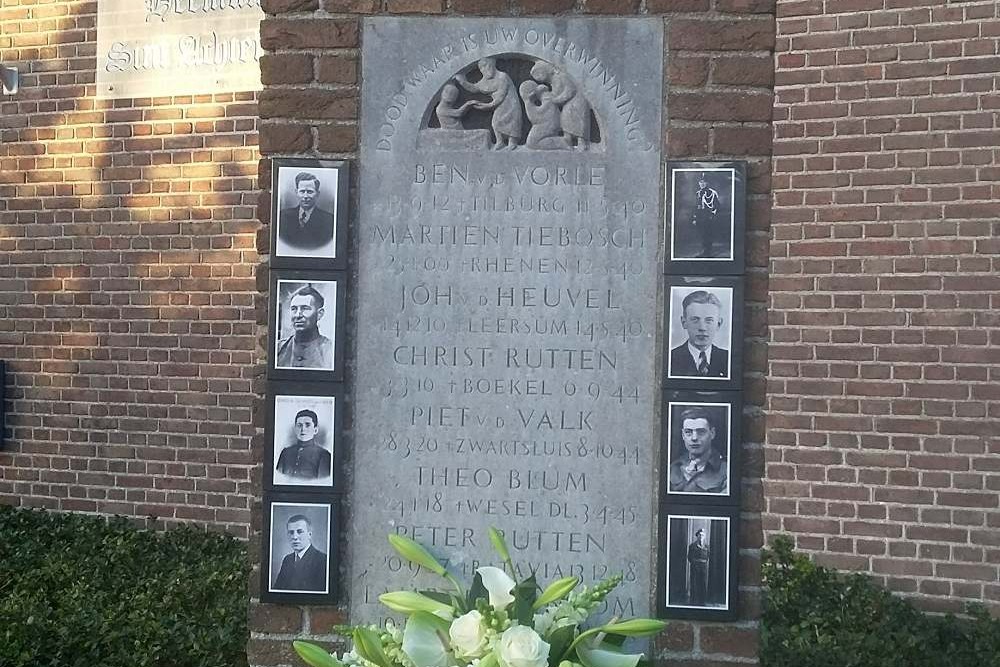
(722,35)
(542,6)
(415,6)
(670,6)
(308,34)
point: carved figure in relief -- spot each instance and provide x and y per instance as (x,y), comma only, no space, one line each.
(450,116)
(543,114)
(504,102)
(574,116)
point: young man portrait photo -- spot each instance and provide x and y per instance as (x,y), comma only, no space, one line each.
(700,320)
(700,440)
(307,219)
(299,546)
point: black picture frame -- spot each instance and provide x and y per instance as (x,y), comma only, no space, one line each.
(283,283)
(278,508)
(723,411)
(680,370)
(284,401)
(685,207)
(293,248)
(677,579)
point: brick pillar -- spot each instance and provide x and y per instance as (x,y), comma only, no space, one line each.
(719,65)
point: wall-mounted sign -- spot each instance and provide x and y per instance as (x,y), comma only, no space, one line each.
(155,48)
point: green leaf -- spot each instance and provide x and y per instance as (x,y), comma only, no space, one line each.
(559,640)
(636,627)
(557,590)
(314,655)
(525,593)
(606,657)
(369,647)
(477,591)
(422,641)
(407,602)
(415,553)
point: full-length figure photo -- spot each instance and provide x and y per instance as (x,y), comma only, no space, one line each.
(698,562)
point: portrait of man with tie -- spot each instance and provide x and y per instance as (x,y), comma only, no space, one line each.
(306,325)
(703,315)
(307,216)
(699,461)
(300,542)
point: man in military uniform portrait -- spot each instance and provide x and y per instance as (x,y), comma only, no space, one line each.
(305,226)
(306,347)
(697,557)
(700,468)
(305,568)
(305,459)
(706,216)
(702,317)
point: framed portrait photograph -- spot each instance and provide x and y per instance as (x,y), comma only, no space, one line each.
(306,326)
(705,205)
(704,325)
(299,552)
(698,571)
(303,437)
(309,213)
(701,446)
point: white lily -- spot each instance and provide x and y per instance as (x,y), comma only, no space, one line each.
(498,585)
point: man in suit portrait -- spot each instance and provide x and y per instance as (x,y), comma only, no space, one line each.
(306,347)
(701,468)
(305,568)
(697,557)
(306,226)
(699,356)
(305,459)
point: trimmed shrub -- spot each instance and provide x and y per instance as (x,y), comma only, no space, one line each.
(821,618)
(82,591)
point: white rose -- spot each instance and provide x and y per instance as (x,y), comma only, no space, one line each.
(520,646)
(468,635)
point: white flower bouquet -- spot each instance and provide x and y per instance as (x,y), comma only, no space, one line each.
(498,622)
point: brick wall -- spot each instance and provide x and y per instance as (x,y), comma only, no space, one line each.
(719,68)
(127,286)
(884,376)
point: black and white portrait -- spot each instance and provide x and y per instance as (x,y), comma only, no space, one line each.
(306,213)
(702,213)
(705,217)
(698,562)
(701,332)
(304,440)
(305,327)
(700,448)
(299,549)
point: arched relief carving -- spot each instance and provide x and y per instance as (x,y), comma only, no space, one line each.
(511,101)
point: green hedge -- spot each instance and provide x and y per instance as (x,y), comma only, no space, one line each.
(817,617)
(82,591)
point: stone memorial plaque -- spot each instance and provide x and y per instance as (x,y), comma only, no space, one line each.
(156,48)
(506,354)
